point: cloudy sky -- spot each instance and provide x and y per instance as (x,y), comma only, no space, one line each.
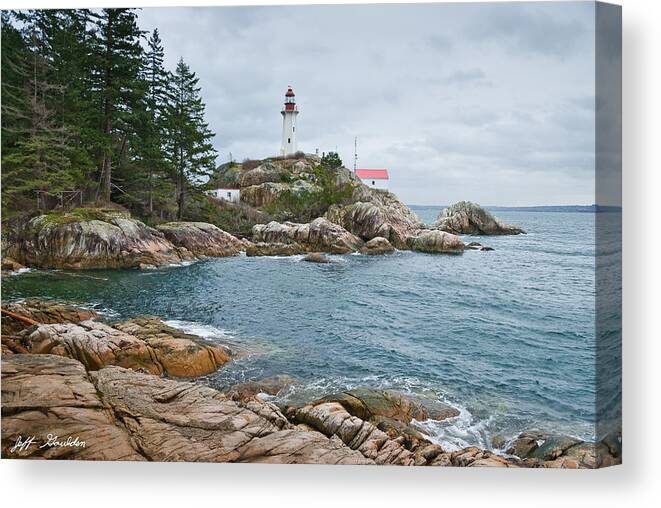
(488,102)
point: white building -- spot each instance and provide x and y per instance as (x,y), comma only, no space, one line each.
(233,195)
(289,114)
(375,178)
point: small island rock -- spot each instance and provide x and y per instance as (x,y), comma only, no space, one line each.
(467,218)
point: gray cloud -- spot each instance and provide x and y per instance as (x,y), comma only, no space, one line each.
(460,101)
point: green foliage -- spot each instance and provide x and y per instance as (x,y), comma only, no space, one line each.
(331,160)
(86,108)
(306,206)
(189,138)
(235,218)
(80,215)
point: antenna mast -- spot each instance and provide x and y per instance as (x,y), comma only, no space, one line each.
(355,153)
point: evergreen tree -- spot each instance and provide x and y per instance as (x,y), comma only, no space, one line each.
(331,160)
(39,153)
(191,153)
(115,77)
(157,79)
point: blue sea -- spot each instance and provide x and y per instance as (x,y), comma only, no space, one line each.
(507,336)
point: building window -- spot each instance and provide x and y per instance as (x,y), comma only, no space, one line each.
(229,195)
(293,129)
(288,140)
(373,183)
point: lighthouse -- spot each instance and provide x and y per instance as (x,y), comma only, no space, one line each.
(289,114)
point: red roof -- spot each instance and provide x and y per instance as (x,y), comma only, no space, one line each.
(372,174)
(290,92)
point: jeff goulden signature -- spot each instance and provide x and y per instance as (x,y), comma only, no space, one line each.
(52,441)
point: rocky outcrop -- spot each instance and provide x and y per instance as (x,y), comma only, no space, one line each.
(46,394)
(333,420)
(377,246)
(120,414)
(320,235)
(263,194)
(541,449)
(275,249)
(434,241)
(316,257)
(466,218)
(42,312)
(90,238)
(266,172)
(366,403)
(144,344)
(180,354)
(11,265)
(201,238)
(375,213)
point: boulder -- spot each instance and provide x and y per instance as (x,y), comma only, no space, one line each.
(156,349)
(180,354)
(553,447)
(466,218)
(584,456)
(11,265)
(94,344)
(377,246)
(320,235)
(366,403)
(269,385)
(525,444)
(201,238)
(90,238)
(316,257)
(435,241)
(375,213)
(274,249)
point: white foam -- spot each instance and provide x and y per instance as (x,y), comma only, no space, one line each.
(458,432)
(20,271)
(207,332)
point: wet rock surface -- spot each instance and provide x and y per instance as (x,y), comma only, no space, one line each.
(433,241)
(377,246)
(317,257)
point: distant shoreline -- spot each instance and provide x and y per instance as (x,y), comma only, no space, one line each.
(543,208)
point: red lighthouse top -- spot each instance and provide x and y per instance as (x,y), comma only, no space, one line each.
(290,101)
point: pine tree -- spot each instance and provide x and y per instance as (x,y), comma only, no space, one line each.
(115,76)
(156,79)
(39,153)
(191,153)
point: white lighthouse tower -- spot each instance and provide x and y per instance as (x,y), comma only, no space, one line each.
(289,114)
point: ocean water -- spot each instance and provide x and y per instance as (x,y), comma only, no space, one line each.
(506,336)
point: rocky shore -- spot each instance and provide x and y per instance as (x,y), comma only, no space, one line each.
(116,392)
(347,216)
